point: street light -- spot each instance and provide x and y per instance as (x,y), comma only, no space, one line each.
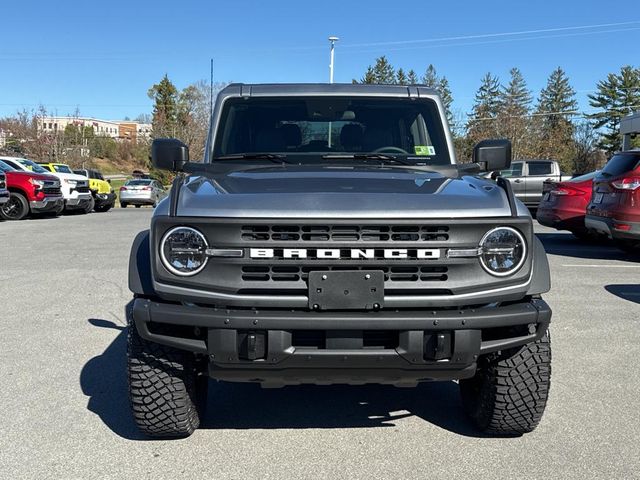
(332,40)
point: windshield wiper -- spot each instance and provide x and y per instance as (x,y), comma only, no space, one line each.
(273,157)
(383,157)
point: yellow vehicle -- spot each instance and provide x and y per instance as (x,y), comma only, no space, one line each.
(101,189)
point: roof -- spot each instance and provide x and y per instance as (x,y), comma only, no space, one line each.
(321,89)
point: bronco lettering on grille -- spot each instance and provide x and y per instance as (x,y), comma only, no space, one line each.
(353,253)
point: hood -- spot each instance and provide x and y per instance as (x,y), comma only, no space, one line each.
(70,176)
(50,177)
(339,192)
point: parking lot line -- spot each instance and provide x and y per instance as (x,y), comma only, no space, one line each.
(598,265)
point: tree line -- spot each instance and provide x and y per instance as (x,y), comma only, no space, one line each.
(549,126)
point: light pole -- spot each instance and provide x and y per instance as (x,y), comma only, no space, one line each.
(332,40)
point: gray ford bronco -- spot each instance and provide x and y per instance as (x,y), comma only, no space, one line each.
(330,237)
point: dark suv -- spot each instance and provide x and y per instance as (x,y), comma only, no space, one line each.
(614,209)
(330,237)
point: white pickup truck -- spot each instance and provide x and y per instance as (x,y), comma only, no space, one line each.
(527,178)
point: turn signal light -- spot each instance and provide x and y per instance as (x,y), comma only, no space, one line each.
(566,191)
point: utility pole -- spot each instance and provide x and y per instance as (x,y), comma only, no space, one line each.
(211,91)
(332,40)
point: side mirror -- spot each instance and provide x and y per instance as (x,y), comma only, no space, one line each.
(108,180)
(493,154)
(169,154)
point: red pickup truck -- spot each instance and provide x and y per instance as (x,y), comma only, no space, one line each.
(29,193)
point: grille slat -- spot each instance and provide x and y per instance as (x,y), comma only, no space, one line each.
(288,273)
(344,233)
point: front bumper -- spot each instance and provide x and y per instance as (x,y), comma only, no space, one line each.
(461,336)
(78,200)
(47,204)
(105,199)
(611,227)
(4,196)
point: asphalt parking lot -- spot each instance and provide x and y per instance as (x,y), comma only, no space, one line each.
(63,287)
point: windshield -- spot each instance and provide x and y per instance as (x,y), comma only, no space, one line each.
(60,168)
(5,168)
(306,128)
(33,166)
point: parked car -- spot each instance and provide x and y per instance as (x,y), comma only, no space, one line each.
(75,188)
(103,195)
(30,193)
(4,192)
(140,192)
(614,209)
(527,178)
(564,204)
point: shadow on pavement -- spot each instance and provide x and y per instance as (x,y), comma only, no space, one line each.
(626,292)
(246,406)
(567,245)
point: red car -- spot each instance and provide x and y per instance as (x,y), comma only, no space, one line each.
(615,204)
(30,193)
(564,205)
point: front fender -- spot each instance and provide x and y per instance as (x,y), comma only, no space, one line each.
(140,279)
(541,281)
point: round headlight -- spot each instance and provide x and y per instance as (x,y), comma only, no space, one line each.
(503,251)
(183,251)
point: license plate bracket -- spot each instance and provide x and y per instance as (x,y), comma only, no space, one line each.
(346,290)
(597,198)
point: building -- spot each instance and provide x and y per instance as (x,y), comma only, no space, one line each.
(116,129)
(629,128)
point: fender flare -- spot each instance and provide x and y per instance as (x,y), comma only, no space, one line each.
(541,278)
(140,277)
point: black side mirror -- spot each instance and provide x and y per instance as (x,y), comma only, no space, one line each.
(108,180)
(493,154)
(169,154)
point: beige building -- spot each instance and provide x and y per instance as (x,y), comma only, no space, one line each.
(119,130)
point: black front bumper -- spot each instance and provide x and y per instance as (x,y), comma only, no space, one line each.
(222,335)
(103,199)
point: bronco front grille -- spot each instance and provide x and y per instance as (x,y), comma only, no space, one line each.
(345,233)
(292,273)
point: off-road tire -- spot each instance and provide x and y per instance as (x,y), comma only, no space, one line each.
(509,392)
(16,208)
(167,388)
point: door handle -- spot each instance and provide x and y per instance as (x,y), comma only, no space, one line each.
(517,181)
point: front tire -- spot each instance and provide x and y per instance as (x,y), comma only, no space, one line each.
(509,392)
(167,389)
(123,205)
(89,207)
(16,208)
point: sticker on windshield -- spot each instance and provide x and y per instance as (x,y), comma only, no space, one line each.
(425,150)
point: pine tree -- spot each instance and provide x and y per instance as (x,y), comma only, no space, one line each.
(383,72)
(401,77)
(616,97)
(556,103)
(369,76)
(513,121)
(483,118)
(430,77)
(412,77)
(441,85)
(165,108)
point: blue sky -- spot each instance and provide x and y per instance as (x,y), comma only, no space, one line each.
(103,56)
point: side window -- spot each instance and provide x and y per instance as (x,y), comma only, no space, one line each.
(514,171)
(540,168)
